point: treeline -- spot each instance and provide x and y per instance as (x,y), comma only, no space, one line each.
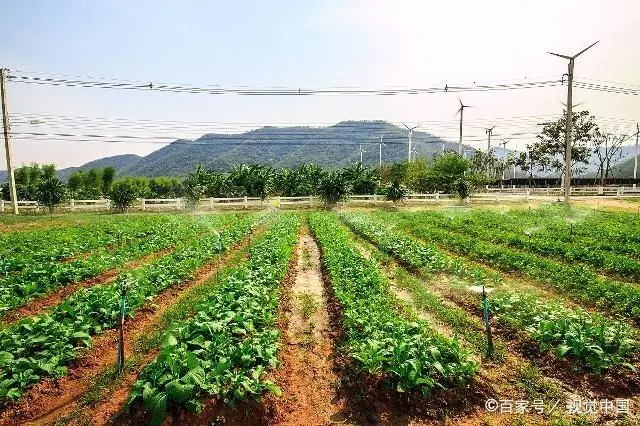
(447,173)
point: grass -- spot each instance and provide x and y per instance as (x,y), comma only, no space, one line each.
(307,304)
(307,260)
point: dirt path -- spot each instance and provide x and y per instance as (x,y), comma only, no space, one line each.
(307,374)
(42,304)
(51,400)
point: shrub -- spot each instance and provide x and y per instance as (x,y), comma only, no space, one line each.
(50,192)
(123,194)
(333,187)
(395,192)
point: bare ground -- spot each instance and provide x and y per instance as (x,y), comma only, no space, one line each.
(307,374)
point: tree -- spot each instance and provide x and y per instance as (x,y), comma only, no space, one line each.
(163,187)
(75,183)
(608,149)
(446,170)
(298,182)
(333,187)
(418,176)
(361,180)
(195,185)
(92,184)
(395,192)
(487,164)
(108,174)
(48,171)
(51,192)
(548,151)
(462,188)
(123,194)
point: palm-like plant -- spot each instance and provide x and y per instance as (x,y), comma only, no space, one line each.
(333,187)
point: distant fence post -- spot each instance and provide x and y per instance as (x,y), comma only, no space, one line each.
(211,203)
(437,197)
(600,190)
(310,200)
(528,194)
(179,203)
(72,205)
(144,207)
(1,206)
(245,202)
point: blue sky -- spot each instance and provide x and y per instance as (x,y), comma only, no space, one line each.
(310,44)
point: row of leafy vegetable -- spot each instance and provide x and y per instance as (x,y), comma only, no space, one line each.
(378,338)
(42,346)
(489,226)
(597,342)
(576,281)
(615,232)
(41,278)
(224,350)
(21,250)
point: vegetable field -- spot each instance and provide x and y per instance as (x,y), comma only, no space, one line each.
(454,315)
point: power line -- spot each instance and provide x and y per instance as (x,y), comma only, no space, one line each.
(90,82)
(273,91)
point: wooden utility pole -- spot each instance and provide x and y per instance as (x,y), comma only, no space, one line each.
(569,124)
(7,144)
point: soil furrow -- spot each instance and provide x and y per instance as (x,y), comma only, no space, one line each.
(307,373)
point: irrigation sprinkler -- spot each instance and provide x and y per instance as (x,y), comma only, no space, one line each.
(487,322)
(120,358)
(218,250)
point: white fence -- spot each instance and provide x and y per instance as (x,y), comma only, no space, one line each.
(490,194)
(163,204)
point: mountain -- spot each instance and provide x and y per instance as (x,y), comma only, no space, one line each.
(331,147)
(625,169)
(120,162)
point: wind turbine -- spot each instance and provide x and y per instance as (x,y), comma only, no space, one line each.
(362,151)
(461,111)
(380,150)
(488,132)
(410,133)
(569,124)
(635,161)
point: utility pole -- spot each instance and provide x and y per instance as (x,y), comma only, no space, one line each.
(380,151)
(488,132)
(7,144)
(410,134)
(635,161)
(361,152)
(461,111)
(569,124)
(504,147)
